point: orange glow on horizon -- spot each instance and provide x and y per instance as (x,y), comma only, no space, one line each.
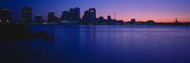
(158,19)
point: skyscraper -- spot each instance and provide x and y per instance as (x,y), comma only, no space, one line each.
(92,13)
(71,17)
(72,14)
(77,11)
(89,16)
(5,16)
(109,18)
(65,15)
(26,15)
(86,17)
(38,19)
(52,17)
(176,21)
(101,20)
(133,21)
(75,14)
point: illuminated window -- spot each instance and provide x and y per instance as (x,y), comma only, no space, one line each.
(7,21)
(0,20)
(92,11)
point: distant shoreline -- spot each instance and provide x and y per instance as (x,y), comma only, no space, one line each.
(97,24)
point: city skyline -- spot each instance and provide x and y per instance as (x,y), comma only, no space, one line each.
(124,11)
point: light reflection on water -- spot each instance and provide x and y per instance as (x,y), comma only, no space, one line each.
(107,44)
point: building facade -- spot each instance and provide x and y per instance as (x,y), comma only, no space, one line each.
(27,15)
(89,16)
(38,19)
(5,16)
(52,18)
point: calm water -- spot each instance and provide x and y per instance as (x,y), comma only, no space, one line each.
(103,44)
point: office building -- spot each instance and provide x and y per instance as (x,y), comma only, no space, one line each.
(27,15)
(38,19)
(109,18)
(86,17)
(52,18)
(89,16)
(75,14)
(65,15)
(133,21)
(5,16)
(92,14)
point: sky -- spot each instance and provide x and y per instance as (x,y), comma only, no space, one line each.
(141,10)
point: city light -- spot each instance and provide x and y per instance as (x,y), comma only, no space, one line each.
(7,21)
(92,11)
(95,31)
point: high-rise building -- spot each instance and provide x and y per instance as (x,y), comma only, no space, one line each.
(133,21)
(120,22)
(176,21)
(101,20)
(109,18)
(150,22)
(75,14)
(72,14)
(5,16)
(89,16)
(86,17)
(65,15)
(77,11)
(38,19)
(26,15)
(52,17)
(92,13)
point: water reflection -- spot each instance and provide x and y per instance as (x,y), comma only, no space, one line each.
(107,44)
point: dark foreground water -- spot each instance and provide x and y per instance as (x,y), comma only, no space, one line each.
(102,44)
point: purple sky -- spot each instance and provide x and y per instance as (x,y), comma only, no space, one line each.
(141,10)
